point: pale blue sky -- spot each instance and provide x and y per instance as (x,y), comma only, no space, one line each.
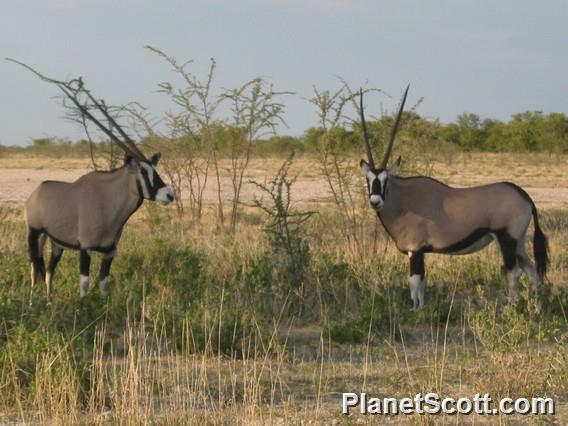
(493,58)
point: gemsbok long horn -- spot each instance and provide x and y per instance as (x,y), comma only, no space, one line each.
(365,133)
(394,130)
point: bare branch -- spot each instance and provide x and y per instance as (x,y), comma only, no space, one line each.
(74,89)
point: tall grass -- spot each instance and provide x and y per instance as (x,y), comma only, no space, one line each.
(200,327)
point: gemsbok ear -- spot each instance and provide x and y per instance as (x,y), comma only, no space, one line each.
(155,159)
(365,167)
(129,161)
(394,168)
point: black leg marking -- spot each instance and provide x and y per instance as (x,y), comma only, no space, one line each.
(417,264)
(36,258)
(54,260)
(105,267)
(35,252)
(56,253)
(85,265)
(508,249)
(417,280)
(104,274)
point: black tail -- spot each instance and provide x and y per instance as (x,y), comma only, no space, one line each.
(540,247)
(36,257)
(540,242)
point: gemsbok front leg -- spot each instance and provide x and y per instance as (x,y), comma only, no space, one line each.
(56,252)
(36,240)
(104,274)
(85,266)
(417,279)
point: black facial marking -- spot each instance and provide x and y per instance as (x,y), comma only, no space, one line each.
(151,191)
(158,182)
(376,187)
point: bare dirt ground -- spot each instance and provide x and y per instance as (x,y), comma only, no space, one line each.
(544,177)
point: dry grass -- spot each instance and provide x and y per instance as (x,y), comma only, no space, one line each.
(286,368)
(287,380)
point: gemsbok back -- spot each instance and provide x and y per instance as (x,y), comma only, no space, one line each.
(89,214)
(423,215)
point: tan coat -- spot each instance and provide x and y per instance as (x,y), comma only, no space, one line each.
(88,213)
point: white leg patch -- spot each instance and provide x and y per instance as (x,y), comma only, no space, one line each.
(33,273)
(48,278)
(512,282)
(33,277)
(527,266)
(417,287)
(83,285)
(103,285)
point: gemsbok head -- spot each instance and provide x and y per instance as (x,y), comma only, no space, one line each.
(423,215)
(89,214)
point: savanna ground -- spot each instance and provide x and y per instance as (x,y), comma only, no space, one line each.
(204,325)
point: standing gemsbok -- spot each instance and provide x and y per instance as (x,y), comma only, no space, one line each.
(423,215)
(89,214)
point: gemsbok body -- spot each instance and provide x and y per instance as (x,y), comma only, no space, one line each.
(423,215)
(90,213)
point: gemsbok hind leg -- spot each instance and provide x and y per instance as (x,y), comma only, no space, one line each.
(526,265)
(36,241)
(56,252)
(104,274)
(417,279)
(85,266)
(508,247)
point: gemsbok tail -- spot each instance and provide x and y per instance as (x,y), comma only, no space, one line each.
(540,247)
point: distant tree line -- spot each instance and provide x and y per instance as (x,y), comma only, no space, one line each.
(530,131)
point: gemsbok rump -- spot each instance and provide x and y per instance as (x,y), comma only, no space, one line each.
(89,214)
(423,215)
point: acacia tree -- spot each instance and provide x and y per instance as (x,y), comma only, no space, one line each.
(195,129)
(256,112)
(285,229)
(338,170)
(191,133)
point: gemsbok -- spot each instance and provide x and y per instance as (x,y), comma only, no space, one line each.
(423,215)
(90,213)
